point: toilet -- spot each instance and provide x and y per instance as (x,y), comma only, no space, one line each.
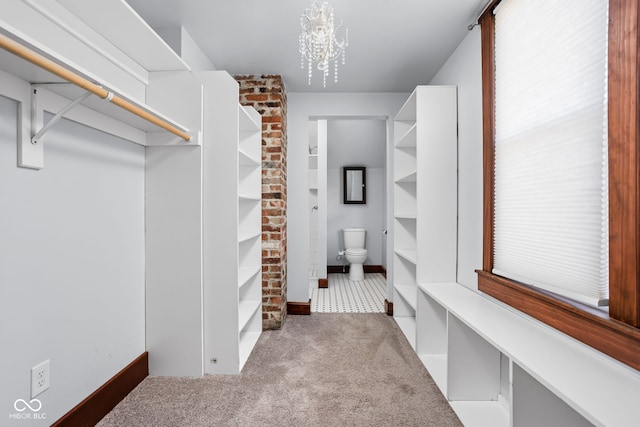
(355,252)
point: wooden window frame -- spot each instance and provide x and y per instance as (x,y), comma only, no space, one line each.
(615,334)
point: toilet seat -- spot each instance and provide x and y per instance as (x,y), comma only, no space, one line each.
(356,251)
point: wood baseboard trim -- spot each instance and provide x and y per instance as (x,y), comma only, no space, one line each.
(323,283)
(367,269)
(337,268)
(375,269)
(388,307)
(299,308)
(104,399)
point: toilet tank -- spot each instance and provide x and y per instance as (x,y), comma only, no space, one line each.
(353,238)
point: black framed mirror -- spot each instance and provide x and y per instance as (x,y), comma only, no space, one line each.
(354,185)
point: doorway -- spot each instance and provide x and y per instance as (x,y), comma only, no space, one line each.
(335,143)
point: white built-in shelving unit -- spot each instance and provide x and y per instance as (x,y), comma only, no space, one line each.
(232,229)
(249,232)
(204,285)
(498,367)
(495,365)
(425,143)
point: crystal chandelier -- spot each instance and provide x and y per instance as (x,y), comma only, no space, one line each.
(321,40)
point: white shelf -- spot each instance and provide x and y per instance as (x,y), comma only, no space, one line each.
(411,176)
(248,341)
(246,159)
(245,274)
(139,41)
(406,216)
(409,255)
(246,309)
(246,235)
(248,120)
(409,293)
(436,364)
(408,139)
(408,111)
(249,198)
(481,414)
(408,327)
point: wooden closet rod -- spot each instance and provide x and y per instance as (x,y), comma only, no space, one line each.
(33,57)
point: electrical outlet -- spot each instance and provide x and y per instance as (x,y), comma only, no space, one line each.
(39,378)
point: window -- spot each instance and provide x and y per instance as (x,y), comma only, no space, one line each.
(616,335)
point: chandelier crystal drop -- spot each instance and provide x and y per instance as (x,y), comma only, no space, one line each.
(323,40)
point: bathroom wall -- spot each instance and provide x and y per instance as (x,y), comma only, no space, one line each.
(72,264)
(369,216)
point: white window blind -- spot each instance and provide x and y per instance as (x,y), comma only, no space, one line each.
(551,197)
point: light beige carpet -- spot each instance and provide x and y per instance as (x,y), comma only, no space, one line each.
(318,370)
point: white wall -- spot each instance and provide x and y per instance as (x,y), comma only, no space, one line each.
(71,263)
(370,216)
(321,244)
(174,330)
(464,69)
(314,214)
(301,107)
(183,44)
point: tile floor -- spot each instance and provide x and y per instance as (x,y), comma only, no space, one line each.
(345,296)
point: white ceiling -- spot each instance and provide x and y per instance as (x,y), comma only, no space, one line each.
(394,45)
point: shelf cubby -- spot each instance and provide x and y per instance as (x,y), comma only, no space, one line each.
(248,275)
(404,316)
(409,293)
(530,396)
(405,197)
(405,164)
(405,230)
(408,138)
(407,255)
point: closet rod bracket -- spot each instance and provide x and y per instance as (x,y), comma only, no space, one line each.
(37,114)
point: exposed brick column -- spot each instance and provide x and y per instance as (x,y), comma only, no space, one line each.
(267,95)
